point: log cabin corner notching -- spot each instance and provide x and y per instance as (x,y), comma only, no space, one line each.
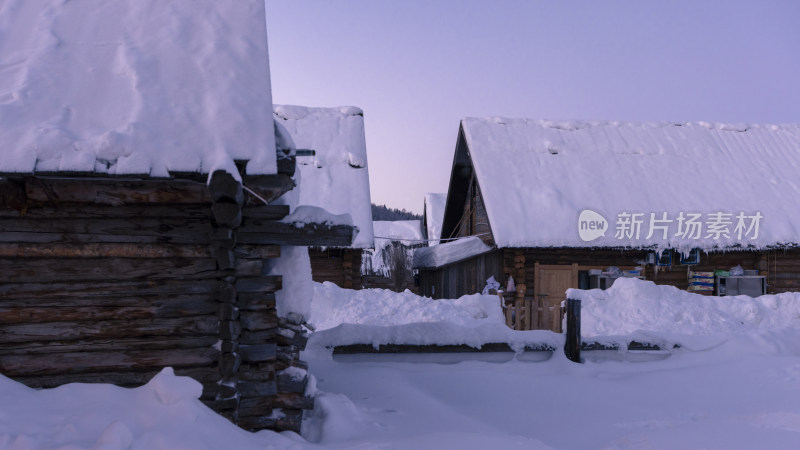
(111,279)
(521,185)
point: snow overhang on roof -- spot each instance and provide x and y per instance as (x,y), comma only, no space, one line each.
(617,184)
(336,177)
(449,253)
(143,87)
(434,214)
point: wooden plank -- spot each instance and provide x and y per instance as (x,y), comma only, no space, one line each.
(265,212)
(140,230)
(114,191)
(257,251)
(258,321)
(112,292)
(117,344)
(200,211)
(12,195)
(263,284)
(153,310)
(268,187)
(288,234)
(112,329)
(94,250)
(223,187)
(78,362)
(258,352)
(42,270)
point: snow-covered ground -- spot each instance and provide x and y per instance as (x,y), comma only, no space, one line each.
(726,387)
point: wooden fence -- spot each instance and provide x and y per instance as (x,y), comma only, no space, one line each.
(532,313)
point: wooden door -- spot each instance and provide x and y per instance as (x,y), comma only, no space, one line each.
(550,285)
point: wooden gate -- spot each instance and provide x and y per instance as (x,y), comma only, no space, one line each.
(542,309)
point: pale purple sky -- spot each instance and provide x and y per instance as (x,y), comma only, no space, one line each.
(417,67)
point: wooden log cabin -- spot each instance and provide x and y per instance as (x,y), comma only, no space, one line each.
(132,239)
(556,201)
(333,166)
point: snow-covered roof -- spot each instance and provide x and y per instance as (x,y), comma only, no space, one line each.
(449,252)
(537,177)
(135,87)
(434,214)
(409,232)
(336,178)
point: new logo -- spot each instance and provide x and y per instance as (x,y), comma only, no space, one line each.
(591,225)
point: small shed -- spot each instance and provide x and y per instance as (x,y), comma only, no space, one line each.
(558,202)
(333,170)
(140,187)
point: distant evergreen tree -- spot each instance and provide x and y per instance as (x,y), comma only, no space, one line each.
(382,212)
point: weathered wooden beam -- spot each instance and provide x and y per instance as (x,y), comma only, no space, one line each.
(42,270)
(116,344)
(224,188)
(263,284)
(39,314)
(141,231)
(268,187)
(249,337)
(248,267)
(256,301)
(227,214)
(82,362)
(257,251)
(114,191)
(12,195)
(288,383)
(293,401)
(258,352)
(289,234)
(257,388)
(112,292)
(108,249)
(93,211)
(572,347)
(265,212)
(112,329)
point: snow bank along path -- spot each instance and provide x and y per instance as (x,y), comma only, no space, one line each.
(630,310)
(632,305)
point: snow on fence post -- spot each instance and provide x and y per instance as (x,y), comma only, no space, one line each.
(572,348)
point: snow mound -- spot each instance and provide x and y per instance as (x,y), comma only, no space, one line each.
(171,390)
(332,306)
(164,413)
(632,305)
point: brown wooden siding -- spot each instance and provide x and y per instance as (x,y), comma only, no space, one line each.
(461,278)
(782,268)
(339,266)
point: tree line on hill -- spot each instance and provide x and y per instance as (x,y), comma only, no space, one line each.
(382,212)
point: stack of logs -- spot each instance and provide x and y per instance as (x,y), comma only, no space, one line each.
(255,390)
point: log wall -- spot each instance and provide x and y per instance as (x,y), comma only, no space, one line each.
(112,280)
(341,266)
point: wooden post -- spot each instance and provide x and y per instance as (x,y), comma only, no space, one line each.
(572,347)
